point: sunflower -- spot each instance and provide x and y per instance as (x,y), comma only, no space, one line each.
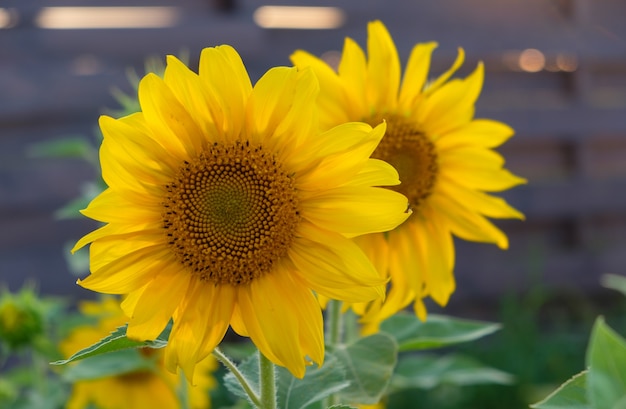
(443,155)
(226,205)
(154,388)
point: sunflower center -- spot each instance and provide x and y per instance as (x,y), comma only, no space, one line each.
(413,155)
(231,213)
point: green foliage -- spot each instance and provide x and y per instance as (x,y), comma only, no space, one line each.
(438,331)
(116,341)
(369,364)
(317,384)
(114,363)
(70,147)
(606,358)
(614,281)
(572,395)
(429,371)
(603,384)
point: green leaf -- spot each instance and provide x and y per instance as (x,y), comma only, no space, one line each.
(429,371)
(72,147)
(369,364)
(570,395)
(116,341)
(114,363)
(341,406)
(249,368)
(615,282)
(438,331)
(606,359)
(317,384)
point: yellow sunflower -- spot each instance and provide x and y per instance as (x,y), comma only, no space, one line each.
(227,206)
(443,155)
(141,389)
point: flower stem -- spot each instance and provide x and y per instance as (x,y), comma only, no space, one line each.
(334,321)
(334,334)
(267,378)
(245,384)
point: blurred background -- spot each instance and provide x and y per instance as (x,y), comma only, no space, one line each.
(555,71)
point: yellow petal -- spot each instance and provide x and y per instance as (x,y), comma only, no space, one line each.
(356,210)
(480,132)
(474,176)
(200,323)
(383,68)
(438,257)
(376,173)
(131,137)
(169,122)
(197,98)
(353,74)
(452,106)
(126,273)
(434,86)
(480,202)
(467,224)
(333,101)
(334,266)
(337,155)
(216,65)
(157,303)
(270,101)
(106,208)
(283,320)
(415,75)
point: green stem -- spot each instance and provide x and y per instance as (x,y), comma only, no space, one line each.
(245,384)
(183,392)
(334,334)
(334,322)
(267,378)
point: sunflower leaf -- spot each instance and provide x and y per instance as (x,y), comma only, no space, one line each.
(317,384)
(429,371)
(71,147)
(116,341)
(249,368)
(114,363)
(438,331)
(570,395)
(606,359)
(369,364)
(615,282)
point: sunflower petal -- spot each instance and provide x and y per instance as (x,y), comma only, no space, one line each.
(383,68)
(334,266)
(415,75)
(484,133)
(231,96)
(157,303)
(356,210)
(282,333)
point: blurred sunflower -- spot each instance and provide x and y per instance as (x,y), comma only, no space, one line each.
(153,388)
(227,206)
(443,155)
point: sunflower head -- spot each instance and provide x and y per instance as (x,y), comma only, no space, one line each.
(227,206)
(444,156)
